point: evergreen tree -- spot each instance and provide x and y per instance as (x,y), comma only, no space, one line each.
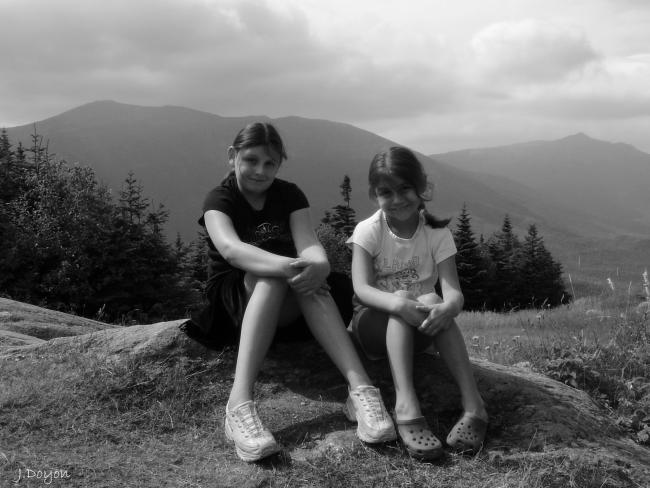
(192,261)
(20,153)
(66,244)
(58,219)
(529,268)
(338,253)
(343,217)
(132,203)
(147,279)
(9,185)
(346,190)
(503,248)
(540,275)
(5,145)
(472,269)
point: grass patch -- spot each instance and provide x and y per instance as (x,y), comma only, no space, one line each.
(159,423)
(600,345)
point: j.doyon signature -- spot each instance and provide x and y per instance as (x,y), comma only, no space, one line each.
(47,476)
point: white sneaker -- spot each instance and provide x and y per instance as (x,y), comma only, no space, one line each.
(365,405)
(244,427)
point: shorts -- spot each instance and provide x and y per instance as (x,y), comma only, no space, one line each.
(218,323)
(368,328)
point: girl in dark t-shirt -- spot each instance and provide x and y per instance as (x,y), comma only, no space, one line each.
(267,268)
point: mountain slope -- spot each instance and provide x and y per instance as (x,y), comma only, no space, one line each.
(178,154)
(608,184)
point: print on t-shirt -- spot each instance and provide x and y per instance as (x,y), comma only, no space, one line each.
(266,232)
(406,279)
(398,274)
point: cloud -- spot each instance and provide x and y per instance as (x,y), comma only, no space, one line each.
(530,51)
(614,88)
(227,57)
(424,71)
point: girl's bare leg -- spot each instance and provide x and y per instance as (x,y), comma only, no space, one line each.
(326,325)
(451,345)
(364,404)
(257,331)
(399,345)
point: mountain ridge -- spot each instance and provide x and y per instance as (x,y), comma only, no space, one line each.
(178,154)
(602,180)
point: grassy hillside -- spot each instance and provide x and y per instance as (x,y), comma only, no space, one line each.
(150,423)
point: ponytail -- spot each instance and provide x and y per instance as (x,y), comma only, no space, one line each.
(432,221)
(228,175)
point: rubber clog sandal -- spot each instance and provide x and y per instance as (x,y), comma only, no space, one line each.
(417,438)
(468,434)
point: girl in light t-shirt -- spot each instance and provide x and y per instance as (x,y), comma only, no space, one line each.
(398,255)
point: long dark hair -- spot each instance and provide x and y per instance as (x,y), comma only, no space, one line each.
(259,134)
(400,162)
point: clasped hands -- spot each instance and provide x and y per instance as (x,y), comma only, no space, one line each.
(308,277)
(428,319)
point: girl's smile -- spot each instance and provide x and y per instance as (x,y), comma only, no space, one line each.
(255,169)
(399,201)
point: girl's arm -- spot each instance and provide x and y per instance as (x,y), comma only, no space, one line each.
(305,240)
(452,296)
(241,255)
(312,265)
(373,297)
(441,314)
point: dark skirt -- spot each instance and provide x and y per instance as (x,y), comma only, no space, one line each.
(218,323)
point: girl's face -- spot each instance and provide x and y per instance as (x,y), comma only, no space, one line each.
(397,198)
(255,168)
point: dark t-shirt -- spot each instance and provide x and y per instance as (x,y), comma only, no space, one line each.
(268,229)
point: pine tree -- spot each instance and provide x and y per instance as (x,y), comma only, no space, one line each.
(67,245)
(338,253)
(503,248)
(541,276)
(20,153)
(9,187)
(472,269)
(530,268)
(145,280)
(5,145)
(131,203)
(343,218)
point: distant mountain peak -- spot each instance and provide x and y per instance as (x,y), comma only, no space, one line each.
(580,136)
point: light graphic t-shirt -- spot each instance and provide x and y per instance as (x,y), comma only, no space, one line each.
(403,264)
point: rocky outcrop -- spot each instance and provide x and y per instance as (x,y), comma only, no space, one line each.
(10,338)
(150,341)
(43,323)
(530,414)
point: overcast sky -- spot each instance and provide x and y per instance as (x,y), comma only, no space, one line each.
(436,75)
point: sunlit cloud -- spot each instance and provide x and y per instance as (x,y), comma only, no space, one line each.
(433,72)
(531,51)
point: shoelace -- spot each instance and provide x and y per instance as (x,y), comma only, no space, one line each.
(251,422)
(373,405)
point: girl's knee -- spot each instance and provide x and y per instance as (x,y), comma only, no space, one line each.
(322,302)
(251,282)
(404,294)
